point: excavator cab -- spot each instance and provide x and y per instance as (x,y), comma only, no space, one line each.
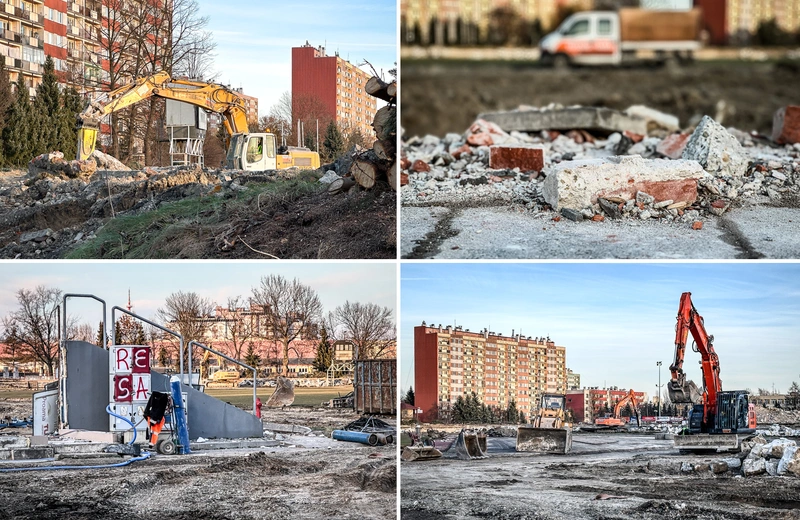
(252,152)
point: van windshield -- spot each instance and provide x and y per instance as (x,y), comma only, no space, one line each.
(578,28)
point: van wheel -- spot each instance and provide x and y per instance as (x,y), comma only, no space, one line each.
(561,62)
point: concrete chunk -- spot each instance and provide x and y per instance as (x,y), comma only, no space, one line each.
(575,118)
(35,236)
(656,120)
(579,184)
(717,151)
(751,467)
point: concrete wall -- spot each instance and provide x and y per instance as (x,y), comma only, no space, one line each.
(85,385)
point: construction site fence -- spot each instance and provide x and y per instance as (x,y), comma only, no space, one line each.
(375,386)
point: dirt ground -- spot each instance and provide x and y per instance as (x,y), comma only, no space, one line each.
(446,96)
(191,214)
(643,474)
(307,477)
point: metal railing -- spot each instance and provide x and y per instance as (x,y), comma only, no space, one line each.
(255,378)
(151,323)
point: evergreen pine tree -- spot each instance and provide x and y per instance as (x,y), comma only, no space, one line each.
(71,106)
(100,341)
(324,356)
(409,397)
(47,107)
(251,358)
(6,100)
(333,145)
(17,132)
(459,410)
(512,415)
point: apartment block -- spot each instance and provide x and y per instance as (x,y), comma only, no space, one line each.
(735,21)
(334,86)
(443,22)
(451,362)
(573,380)
(69,32)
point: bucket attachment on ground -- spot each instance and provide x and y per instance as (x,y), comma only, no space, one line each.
(283,394)
(411,453)
(544,440)
(468,445)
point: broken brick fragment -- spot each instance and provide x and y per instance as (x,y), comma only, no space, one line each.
(697,225)
(403,179)
(522,157)
(480,139)
(404,163)
(786,125)
(636,138)
(672,146)
(598,218)
(420,166)
(464,148)
(719,203)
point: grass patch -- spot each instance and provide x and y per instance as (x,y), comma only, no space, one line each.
(184,228)
(243,397)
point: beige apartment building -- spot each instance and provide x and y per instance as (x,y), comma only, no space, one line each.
(450,362)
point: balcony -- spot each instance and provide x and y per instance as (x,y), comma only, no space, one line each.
(12,37)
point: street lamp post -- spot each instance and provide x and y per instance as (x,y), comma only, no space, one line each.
(658,364)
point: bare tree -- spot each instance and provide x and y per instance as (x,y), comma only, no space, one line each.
(239,331)
(33,327)
(291,307)
(369,327)
(186,312)
(282,109)
(84,332)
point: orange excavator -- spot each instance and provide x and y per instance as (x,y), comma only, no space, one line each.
(616,420)
(717,419)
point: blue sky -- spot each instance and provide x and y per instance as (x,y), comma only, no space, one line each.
(255,38)
(617,320)
(151,282)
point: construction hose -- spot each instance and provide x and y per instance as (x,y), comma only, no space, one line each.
(101,466)
(109,412)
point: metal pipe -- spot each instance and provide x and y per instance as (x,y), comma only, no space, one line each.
(179,415)
(255,380)
(156,325)
(362,437)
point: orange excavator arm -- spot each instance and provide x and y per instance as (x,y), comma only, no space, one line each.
(209,96)
(628,399)
(683,391)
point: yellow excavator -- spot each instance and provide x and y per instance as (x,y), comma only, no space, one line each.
(221,377)
(246,151)
(548,432)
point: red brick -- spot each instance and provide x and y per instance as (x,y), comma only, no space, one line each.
(464,148)
(403,179)
(786,125)
(672,146)
(679,190)
(404,163)
(420,166)
(510,157)
(697,225)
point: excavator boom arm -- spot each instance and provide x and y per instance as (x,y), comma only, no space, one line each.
(209,96)
(680,390)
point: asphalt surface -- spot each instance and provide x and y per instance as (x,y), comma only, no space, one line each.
(507,233)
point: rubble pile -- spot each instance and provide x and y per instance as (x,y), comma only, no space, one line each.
(779,457)
(777,416)
(595,170)
(52,208)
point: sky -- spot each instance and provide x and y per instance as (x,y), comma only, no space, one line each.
(617,320)
(255,39)
(151,282)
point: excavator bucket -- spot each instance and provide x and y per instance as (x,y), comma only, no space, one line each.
(683,393)
(86,142)
(283,394)
(412,453)
(544,440)
(468,446)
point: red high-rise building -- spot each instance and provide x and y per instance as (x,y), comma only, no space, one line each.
(326,88)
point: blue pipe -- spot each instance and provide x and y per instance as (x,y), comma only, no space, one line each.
(179,415)
(109,412)
(102,466)
(362,437)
